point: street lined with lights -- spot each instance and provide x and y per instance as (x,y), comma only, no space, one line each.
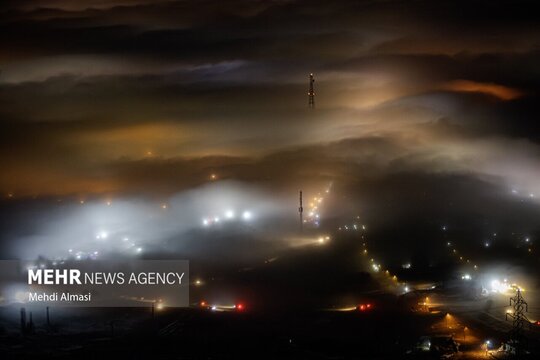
(106,240)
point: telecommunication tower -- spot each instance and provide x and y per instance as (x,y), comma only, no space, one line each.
(301,212)
(311,93)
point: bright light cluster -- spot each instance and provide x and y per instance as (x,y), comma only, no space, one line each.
(323,239)
(313,208)
(228,215)
(504,287)
(105,241)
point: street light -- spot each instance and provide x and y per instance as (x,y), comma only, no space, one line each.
(487,345)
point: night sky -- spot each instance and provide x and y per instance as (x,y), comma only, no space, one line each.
(425,112)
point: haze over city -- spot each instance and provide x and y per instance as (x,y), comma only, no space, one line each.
(147,130)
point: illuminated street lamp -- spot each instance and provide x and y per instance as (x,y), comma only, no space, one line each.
(487,345)
(426,304)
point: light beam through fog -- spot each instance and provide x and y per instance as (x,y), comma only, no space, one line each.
(130,227)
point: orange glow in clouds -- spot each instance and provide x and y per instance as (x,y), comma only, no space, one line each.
(500,91)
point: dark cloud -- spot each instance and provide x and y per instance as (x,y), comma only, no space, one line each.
(88,90)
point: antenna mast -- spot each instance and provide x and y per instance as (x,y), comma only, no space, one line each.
(311,93)
(301,211)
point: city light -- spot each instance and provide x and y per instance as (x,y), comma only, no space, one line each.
(364,307)
(503,287)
